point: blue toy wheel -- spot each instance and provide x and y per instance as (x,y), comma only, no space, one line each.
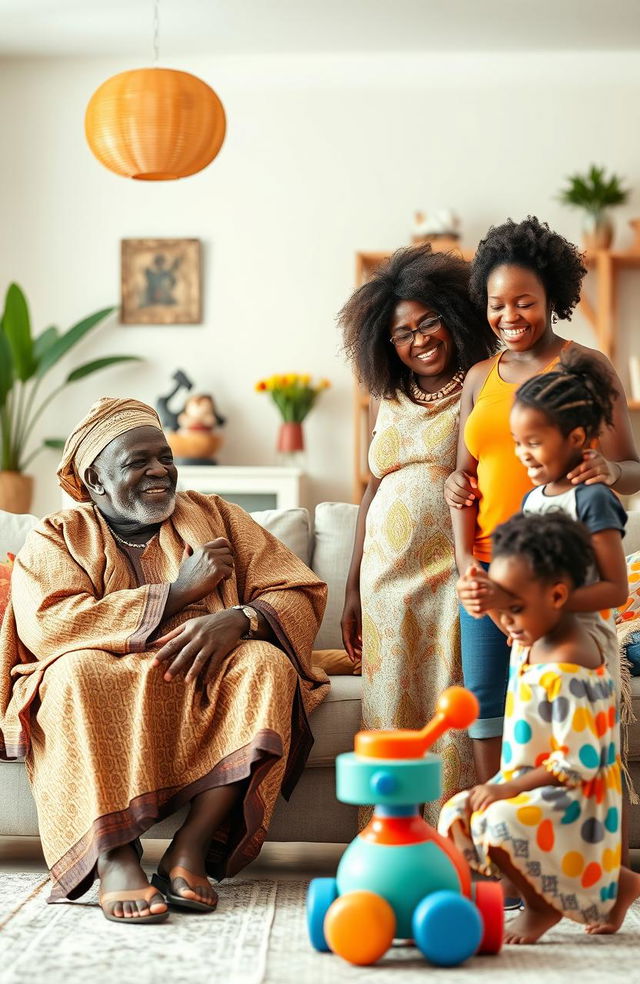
(320,894)
(447,928)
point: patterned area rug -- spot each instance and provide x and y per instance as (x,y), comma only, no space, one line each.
(258,936)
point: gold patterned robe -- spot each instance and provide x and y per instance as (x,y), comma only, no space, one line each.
(110,746)
(410,628)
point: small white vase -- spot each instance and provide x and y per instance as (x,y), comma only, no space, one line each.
(597,231)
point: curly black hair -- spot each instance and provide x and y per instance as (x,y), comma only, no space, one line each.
(532,244)
(415,273)
(581,393)
(553,543)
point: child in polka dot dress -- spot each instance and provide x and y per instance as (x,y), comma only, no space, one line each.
(549,821)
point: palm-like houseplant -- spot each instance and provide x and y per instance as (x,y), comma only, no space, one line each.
(594,192)
(24,363)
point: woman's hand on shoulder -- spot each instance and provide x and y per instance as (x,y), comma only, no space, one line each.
(595,469)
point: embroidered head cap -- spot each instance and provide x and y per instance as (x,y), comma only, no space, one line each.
(107,419)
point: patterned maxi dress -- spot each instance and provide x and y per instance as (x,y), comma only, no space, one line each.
(410,630)
(565,840)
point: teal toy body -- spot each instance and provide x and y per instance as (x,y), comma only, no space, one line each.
(399,879)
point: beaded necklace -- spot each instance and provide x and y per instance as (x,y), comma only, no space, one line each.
(422,397)
(127,543)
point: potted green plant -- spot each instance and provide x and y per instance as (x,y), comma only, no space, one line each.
(594,192)
(24,362)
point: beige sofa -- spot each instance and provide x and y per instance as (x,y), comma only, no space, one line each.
(313,813)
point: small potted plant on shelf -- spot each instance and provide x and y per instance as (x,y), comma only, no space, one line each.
(594,192)
(24,362)
(294,395)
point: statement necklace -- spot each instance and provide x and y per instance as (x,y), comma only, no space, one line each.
(127,543)
(422,397)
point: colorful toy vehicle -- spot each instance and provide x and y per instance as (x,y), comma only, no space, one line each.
(399,879)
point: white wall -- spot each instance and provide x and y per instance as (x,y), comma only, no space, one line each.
(324,156)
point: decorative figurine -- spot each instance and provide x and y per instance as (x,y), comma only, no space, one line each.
(192,432)
(442,228)
(400,879)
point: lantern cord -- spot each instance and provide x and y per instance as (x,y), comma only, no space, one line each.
(156,32)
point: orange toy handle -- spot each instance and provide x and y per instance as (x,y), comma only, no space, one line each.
(457,708)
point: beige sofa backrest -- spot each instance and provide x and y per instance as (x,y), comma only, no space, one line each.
(326,548)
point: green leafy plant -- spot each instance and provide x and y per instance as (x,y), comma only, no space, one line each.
(594,191)
(24,362)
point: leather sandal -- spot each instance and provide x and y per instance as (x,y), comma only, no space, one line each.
(132,895)
(163,884)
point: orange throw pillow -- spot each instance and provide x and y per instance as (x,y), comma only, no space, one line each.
(335,662)
(5,583)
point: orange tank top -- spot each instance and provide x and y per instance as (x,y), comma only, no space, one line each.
(502,481)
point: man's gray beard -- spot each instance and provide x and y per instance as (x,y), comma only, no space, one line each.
(151,513)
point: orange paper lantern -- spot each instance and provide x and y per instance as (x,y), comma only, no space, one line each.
(155,124)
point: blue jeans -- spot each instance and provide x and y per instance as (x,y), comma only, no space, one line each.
(633,652)
(485,669)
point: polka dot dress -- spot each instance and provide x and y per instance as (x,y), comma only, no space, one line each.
(565,840)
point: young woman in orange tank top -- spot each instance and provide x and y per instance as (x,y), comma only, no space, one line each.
(526,276)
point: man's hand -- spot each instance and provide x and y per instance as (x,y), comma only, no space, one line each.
(460,489)
(200,573)
(197,647)
(484,795)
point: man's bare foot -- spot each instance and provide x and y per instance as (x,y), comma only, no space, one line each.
(119,870)
(531,924)
(628,892)
(191,859)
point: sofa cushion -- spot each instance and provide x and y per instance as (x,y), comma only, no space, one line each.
(335,662)
(291,526)
(13,531)
(631,541)
(634,729)
(335,527)
(5,583)
(630,611)
(336,721)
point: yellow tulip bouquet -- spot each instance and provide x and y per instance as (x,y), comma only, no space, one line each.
(294,394)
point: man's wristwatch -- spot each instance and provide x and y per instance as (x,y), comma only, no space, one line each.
(252,615)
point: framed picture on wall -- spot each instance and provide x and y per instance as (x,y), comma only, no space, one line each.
(160,282)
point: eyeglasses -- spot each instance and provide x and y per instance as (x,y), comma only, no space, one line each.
(407,335)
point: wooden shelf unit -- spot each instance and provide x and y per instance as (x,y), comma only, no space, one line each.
(603,316)
(601,313)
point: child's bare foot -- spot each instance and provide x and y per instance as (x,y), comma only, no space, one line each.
(531,924)
(628,892)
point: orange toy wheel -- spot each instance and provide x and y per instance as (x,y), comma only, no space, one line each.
(489,899)
(360,926)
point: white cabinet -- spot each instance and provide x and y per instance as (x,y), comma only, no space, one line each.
(251,487)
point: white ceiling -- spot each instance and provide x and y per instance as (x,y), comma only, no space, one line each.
(236,27)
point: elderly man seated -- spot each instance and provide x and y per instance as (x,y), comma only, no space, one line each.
(156,653)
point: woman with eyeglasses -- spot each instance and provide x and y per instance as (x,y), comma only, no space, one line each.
(411,334)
